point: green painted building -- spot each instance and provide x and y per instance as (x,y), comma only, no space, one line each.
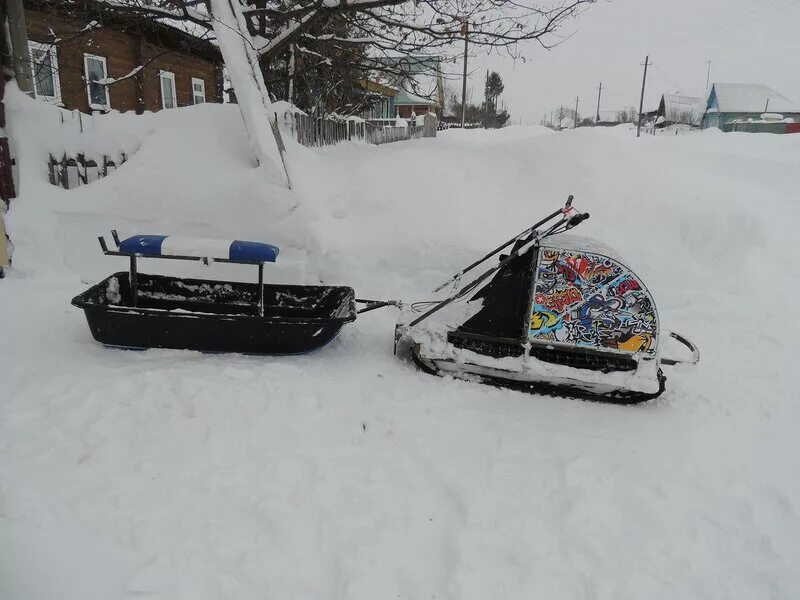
(729,102)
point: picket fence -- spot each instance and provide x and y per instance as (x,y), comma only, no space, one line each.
(70,172)
(324,131)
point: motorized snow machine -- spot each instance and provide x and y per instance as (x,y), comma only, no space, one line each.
(558,314)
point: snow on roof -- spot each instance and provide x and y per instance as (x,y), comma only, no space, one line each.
(190,28)
(678,108)
(403,97)
(748,97)
(161,17)
(418,77)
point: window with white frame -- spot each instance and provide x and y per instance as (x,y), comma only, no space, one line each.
(168,95)
(44,69)
(198,91)
(95,71)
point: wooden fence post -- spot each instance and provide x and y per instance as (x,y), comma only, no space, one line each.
(92,173)
(71,177)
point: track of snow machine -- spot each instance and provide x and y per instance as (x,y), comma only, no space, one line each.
(558,315)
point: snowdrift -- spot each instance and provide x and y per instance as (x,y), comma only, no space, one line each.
(189,170)
(347,473)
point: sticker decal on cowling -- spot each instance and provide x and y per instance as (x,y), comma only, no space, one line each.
(592,301)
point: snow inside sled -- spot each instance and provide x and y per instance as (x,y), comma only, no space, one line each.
(135,310)
(560,315)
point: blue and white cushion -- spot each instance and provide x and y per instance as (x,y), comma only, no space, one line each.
(172,245)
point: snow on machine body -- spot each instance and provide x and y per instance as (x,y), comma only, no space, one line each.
(136,310)
(560,315)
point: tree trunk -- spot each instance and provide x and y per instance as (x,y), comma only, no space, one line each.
(18,32)
(247,79)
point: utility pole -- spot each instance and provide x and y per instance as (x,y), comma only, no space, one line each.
(641,98)
(465,33)
(575,120)
(18,35)
(708,73)
(599,91)
(560,116)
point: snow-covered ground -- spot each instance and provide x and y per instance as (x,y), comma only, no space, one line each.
(347,474)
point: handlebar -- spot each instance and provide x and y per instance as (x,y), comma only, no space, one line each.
(577,220)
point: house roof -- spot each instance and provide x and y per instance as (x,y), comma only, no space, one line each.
(418,77)
(676,108)
(176,34)
(403,98)
(378,88)
(747,98)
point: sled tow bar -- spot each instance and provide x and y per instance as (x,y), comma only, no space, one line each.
(376,304)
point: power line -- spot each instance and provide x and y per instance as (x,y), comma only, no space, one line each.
(744,20)
(749,9)
(669,80)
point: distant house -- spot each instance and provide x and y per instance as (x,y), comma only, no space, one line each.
(409,105)
(388,103)
(382,100)
(678,109)
(158,65)
(406,86)
(729,102)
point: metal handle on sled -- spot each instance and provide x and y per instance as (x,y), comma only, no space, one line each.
(133,277)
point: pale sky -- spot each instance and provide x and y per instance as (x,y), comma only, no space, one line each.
(753,41)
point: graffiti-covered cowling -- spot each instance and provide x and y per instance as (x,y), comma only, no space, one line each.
(560,314)
(584,296)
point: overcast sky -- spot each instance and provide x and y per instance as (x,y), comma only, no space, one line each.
(746,40)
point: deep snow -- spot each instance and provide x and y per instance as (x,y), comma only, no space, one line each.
(348,474)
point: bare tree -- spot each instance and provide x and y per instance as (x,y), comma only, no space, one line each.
(254,35)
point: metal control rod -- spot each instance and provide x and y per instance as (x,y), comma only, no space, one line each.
(521,235)
(566,222)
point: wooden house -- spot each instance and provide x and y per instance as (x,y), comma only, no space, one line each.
(679,109)
(92,56)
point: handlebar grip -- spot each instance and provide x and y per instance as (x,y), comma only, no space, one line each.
(577,220)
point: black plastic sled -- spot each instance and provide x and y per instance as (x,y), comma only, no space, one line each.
(136,310)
